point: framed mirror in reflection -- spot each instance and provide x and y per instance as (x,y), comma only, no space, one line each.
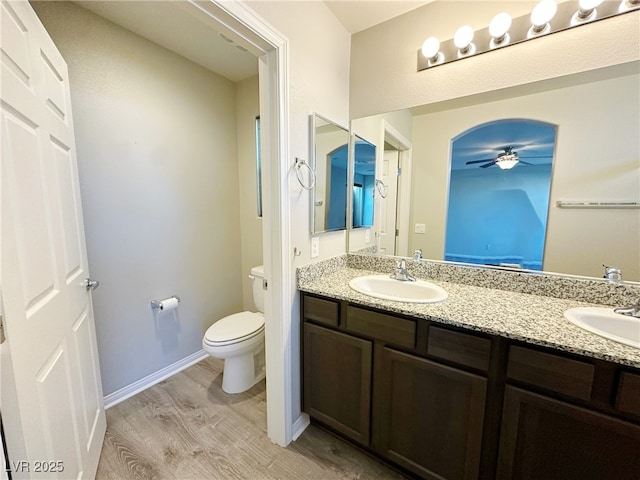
(595,159)
(330,152)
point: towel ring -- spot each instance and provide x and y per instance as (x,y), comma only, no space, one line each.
(312,175)
(382,188)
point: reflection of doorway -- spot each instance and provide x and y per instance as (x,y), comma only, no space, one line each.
(389,202)
(357,204)
(392,213)
(499,187)
(336,186)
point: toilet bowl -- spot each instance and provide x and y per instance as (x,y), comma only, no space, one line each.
(239,340)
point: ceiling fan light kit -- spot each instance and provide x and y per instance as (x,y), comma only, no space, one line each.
(507,161)
(546,17)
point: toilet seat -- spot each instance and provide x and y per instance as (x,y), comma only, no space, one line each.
(234,329)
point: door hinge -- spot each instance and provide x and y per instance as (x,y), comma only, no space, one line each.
(397,232)
(399,171)
(2,336)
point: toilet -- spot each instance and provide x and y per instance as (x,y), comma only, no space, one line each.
(239,340)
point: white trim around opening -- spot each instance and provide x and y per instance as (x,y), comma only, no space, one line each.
(272,50)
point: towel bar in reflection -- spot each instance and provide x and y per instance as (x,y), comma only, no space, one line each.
(563,204)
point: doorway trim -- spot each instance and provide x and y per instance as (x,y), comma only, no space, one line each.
(403,214)
(272,49)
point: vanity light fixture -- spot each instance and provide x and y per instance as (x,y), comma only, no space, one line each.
(499,30)
(431,51)
(463,39)
(547,17)
(541,15)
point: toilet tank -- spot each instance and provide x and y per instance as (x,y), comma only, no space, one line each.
(257,275)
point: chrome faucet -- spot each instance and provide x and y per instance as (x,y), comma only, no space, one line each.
(612,274)
(630,311)
(417,255)
(401,272)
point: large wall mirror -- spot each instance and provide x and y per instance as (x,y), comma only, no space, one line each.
(589,215)
(330,152)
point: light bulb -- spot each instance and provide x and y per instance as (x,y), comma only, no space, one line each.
(431,48)
(542,13)
(500,25)
(627,5)
(587,8)
(463,37)
(499,30)
(589,4)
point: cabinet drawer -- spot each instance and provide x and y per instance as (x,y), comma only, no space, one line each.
(551,372)
(628,397)
(321,311)
(459,347)
(399,331)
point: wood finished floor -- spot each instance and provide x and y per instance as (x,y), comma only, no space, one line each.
(186,427)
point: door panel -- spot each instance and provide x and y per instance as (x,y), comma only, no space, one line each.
(546,438)
(389,175)
(54,385)
(58,413)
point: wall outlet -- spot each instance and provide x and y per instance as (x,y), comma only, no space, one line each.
(315,247)
(367,236)
(419,228)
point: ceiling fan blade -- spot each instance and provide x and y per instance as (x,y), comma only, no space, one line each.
(525,163)
(491,163)
(480,161)
(535,156)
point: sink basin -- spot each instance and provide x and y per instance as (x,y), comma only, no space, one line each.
(606,323)
(381,286)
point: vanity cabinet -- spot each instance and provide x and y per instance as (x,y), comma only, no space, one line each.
(561,419)
(337,386)
(543,438)
(441,402)
(427,417)
(365,376)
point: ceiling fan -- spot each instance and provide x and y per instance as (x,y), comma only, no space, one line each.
(505,160)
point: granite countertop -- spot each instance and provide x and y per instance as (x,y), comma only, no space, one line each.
(534,319)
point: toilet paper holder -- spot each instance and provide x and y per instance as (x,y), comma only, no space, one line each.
(158,305)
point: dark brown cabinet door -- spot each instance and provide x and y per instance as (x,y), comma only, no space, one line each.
(547,439)
(337,381)
(427,417)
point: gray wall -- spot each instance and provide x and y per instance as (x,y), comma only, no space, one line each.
(156,142)
(247,109)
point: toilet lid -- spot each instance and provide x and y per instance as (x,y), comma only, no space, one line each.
(234,328)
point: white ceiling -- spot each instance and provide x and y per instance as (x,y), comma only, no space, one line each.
(168,24)
(358,15)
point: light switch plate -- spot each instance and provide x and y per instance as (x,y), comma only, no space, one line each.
(367,236)
(419,228)
(315,247)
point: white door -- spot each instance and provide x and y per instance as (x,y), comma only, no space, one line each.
(389,176)
(57,420)
(3,471)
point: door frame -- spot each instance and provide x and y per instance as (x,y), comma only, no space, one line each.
(271,47)
(403,200)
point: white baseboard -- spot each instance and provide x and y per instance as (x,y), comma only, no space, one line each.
(300,425)
(150,380)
